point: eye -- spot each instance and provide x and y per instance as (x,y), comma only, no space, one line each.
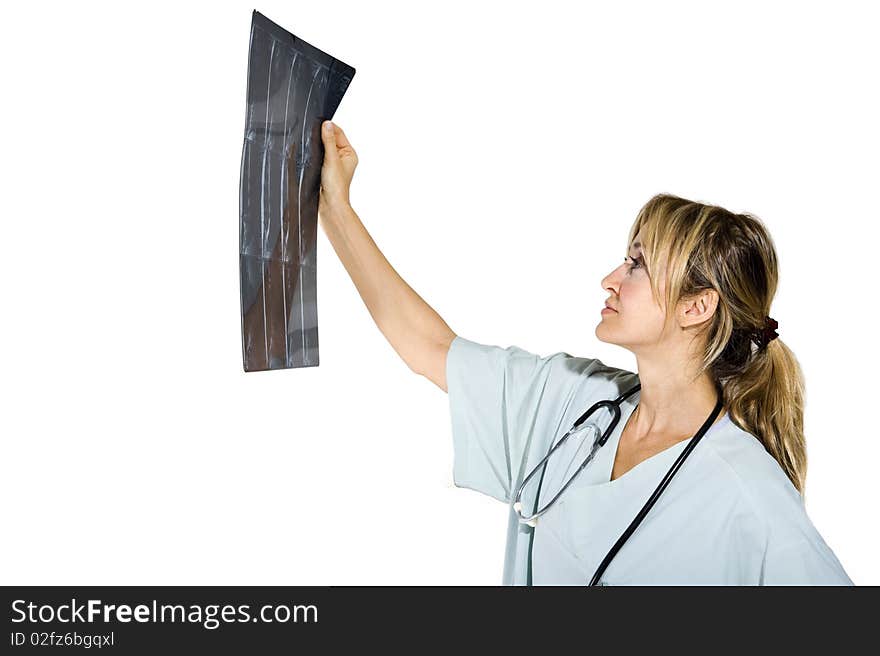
(636,263)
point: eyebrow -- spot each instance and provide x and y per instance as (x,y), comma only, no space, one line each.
(637,245)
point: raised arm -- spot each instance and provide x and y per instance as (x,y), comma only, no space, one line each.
(412,327)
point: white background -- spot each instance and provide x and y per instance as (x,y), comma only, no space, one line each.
(505,149)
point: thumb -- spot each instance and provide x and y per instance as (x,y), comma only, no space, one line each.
(328,135)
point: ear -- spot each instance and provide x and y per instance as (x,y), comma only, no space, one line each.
(698,309)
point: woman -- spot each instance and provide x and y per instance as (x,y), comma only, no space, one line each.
(711,365)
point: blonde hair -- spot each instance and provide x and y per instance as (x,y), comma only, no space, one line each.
(707,247)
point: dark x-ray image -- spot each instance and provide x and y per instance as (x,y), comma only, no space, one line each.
(292,88)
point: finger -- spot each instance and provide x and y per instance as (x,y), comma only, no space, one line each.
(341,139)
(328,136)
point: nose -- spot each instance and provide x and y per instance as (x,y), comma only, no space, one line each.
(611,282)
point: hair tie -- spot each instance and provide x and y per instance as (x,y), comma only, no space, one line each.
(767,334)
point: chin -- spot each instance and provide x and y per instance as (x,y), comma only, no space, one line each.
(602,337)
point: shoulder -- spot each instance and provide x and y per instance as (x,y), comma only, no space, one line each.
(794,552)
(559,369)
(761,481)
(748,460)
(577,382)
(749,464)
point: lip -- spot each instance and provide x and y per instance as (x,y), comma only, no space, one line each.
(608,309)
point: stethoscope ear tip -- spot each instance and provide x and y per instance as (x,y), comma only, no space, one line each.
(518,508)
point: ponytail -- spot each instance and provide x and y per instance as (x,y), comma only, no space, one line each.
(766,399)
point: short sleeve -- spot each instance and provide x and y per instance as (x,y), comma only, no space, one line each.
(803,563)
(796,553)
(505,402)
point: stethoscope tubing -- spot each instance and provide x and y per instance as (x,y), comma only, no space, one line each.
(615,406)
(657,492)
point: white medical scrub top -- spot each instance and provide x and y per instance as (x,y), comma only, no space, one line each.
(729,516)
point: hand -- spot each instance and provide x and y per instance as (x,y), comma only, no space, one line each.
(337,170)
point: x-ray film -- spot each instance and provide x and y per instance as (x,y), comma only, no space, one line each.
(292,89)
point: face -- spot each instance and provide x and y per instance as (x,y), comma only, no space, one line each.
(638,320)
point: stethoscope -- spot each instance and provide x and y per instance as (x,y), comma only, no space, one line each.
(614,406)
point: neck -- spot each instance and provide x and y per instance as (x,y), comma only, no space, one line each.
(673,401)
